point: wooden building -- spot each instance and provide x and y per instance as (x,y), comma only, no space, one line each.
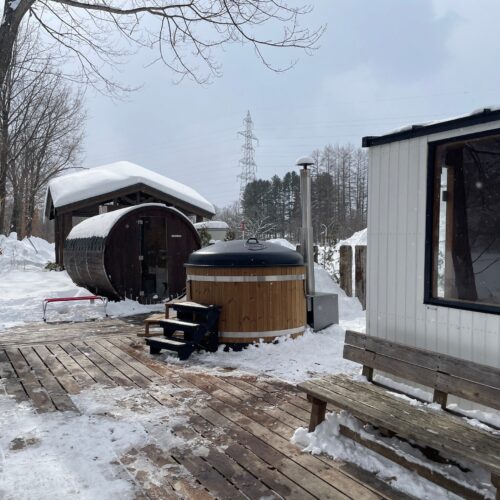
(433,270)
(89,192)
(137,252)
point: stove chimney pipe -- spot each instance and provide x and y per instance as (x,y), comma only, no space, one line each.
(306,232)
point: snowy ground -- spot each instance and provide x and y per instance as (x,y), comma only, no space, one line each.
(69,455)
(292,360)
(24,283)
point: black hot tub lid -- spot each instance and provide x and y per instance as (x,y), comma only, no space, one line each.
(249,253)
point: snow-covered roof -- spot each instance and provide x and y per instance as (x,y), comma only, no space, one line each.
(212,224)
(78,186)
(100,225)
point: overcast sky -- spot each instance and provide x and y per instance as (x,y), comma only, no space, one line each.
(382,64)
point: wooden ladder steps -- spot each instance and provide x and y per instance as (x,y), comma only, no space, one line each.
(170,326)
(183,349)
(196,326)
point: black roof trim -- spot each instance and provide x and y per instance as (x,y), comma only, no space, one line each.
(484,116)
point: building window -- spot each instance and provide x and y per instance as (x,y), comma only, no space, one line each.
(463,257)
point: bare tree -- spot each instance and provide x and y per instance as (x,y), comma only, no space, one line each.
(184,33)
(231,215)
(42,126)
(259,228)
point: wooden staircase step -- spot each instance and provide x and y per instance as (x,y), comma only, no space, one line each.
(183,349)
(179,323)
(190,305)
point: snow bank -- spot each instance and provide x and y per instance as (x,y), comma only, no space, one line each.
(329,256)
(64,455)
(327,439)
(24,283)
(28,254)
(77,186)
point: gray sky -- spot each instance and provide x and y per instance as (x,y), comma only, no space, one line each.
(381,64)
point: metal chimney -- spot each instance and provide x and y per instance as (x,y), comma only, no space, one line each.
(306,231)
(322,308)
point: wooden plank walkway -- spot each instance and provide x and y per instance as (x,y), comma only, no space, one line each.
(248,421)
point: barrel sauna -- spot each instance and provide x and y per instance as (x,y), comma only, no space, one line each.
(136,252)
(260,287)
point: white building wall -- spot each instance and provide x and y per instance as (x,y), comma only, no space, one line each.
(397,191)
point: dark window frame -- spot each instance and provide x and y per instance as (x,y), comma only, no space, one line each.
(429,228)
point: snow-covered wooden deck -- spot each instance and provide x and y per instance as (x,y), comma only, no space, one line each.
(246,422)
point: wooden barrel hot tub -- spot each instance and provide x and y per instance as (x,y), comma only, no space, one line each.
(260,287)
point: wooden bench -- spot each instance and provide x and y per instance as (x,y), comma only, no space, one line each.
(429,429)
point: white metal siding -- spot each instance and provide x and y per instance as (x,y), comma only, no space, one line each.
(397,185)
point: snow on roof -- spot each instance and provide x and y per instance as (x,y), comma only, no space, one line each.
(486,114)
(96,181)
(212,224)
(443,120)
(100,225)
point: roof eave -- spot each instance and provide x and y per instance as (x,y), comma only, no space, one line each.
(485,116)
(176,202)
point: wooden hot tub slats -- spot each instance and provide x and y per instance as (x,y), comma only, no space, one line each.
(255,305)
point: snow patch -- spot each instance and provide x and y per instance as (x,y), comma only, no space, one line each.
(328,439)
(64,455)
(283,243)
(212,224)
(14,4)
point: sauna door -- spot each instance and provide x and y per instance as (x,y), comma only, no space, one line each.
(154,269)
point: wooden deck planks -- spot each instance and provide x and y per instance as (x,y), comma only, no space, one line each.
(247,421)
(32,386)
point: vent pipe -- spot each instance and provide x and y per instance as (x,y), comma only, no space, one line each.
(306,232)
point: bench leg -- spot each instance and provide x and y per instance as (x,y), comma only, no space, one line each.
(440,398)
(318,411)
(496,483)
(368,373)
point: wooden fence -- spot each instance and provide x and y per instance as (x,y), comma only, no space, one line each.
(346,271)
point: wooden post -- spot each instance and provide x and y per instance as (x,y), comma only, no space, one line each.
(345,269)
(318,411)
(360,273)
